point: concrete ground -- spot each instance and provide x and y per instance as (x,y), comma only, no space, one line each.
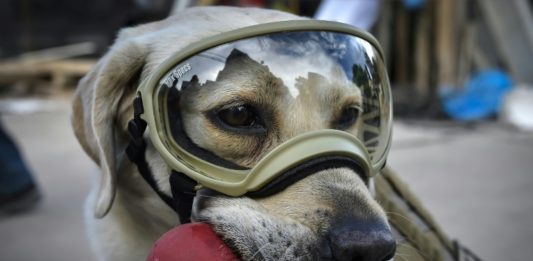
(476,180)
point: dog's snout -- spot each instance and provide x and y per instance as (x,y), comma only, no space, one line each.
(362,241)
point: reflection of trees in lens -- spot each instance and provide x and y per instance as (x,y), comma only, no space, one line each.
(367,78)
(360,77)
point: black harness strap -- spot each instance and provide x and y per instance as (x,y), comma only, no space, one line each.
(182,186)
(183,193)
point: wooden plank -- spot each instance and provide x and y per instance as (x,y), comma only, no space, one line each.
(423,54)
(465,32)
(58,71)
(446,42)
(401,47)
(57,53)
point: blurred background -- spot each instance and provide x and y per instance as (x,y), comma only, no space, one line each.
(462,81)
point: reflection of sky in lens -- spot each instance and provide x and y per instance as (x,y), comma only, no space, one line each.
(289,61)
(288,56)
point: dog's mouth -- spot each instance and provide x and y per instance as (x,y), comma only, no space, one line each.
(334,224)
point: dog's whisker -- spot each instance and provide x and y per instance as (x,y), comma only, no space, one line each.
(397,214)
(203,196)
(259,251)
(400,215)
(305,255)
(401,257)
(417,251)
(403,217)
(201,219)
(285,252)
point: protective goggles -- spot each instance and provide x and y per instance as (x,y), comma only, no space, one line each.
(318,89)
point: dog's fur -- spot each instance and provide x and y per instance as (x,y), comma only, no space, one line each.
(289,225)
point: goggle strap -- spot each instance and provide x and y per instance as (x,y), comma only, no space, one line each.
(182,187)
(183,193)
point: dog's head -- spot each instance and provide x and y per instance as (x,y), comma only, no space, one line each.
(329,214)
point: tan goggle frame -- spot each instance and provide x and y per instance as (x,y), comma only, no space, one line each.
(295,151)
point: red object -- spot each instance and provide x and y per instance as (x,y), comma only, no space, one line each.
(192,241)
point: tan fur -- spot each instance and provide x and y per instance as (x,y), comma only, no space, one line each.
(124,216)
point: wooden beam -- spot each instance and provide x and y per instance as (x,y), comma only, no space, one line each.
(57,53)
(446,42)
(423,54)
(58,72)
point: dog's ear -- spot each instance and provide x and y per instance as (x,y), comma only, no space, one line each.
(96,108)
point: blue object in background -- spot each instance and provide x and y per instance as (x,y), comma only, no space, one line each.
(481,97)
(414,4)
(14,174)
(18,191)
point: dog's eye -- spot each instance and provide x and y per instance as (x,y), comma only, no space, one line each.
(238,116)
(348,117)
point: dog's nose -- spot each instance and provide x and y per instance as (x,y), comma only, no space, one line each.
(362,241)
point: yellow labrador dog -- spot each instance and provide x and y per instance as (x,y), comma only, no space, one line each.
(329,215)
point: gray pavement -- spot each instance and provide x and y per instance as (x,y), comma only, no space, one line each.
(54,231)
(477,181)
